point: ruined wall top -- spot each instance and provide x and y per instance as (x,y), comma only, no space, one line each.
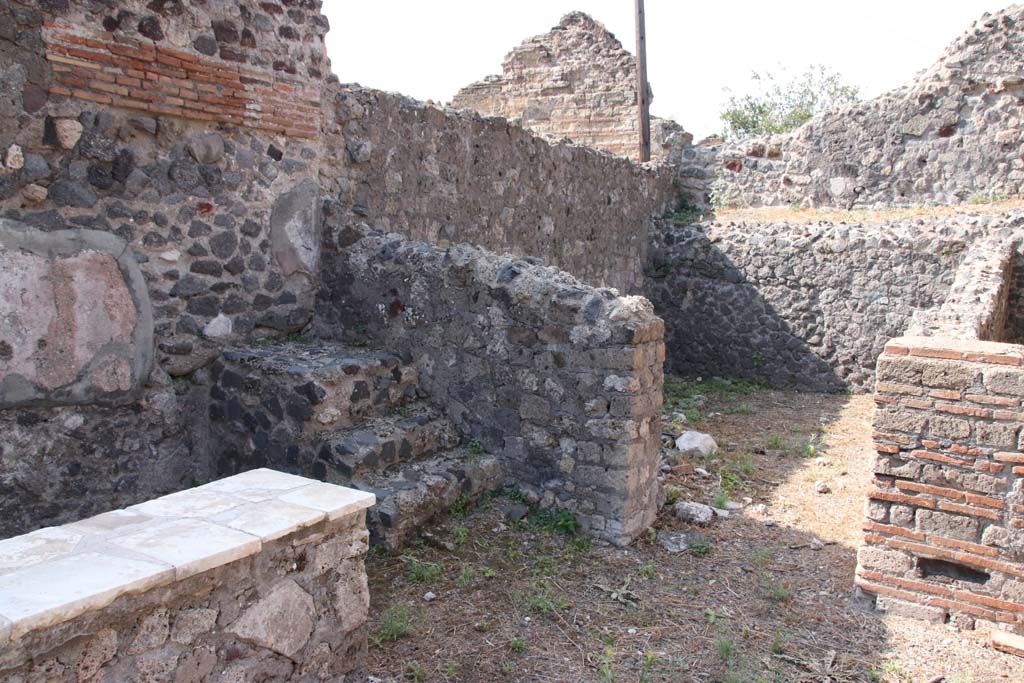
(951,135)
(576,81)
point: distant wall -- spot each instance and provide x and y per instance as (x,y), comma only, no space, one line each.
(446,177)
(578,82)
(952,135)
(808,306)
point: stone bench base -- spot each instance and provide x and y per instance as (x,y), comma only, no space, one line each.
(258,576)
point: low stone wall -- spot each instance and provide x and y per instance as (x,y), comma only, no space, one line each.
(561,380)
(446,176)
(943,535)
(808,306)
(255,577)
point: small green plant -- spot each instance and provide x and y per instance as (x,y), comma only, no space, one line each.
(488,573)
(687,215)
(466,575)
(451,669)
(673,494)
(394,624)
(475,448)
(775,591)
(507,667)
(647,667)
(988,198)
(460,535)
(720,500)
(779,640)
(726,649)
(774,442)
(699,547)
(605,662)
(713,616)
(415,672)
(543,565)
(544,599)
(462,505)
(652,534)
(553,521)
(580,545)
(762,556)
(810,448)
(419,571)
(646,570)
(517,645)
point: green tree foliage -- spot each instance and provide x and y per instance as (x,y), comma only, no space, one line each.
(778,105)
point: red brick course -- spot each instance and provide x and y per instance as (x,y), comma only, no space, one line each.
(161,80)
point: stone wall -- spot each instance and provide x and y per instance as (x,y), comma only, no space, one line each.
(256,577)
(446,177)
(575,82)
(562,380)
(952,135)
(945,517)
(196,224)
(808,306)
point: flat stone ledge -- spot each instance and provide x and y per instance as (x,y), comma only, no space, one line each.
(56,574)
(996,353)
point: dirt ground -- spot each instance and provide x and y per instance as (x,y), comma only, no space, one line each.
(763,596)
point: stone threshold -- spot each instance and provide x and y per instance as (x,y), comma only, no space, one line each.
(55,574)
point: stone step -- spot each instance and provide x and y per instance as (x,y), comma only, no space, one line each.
(416,492)
(270,403)
(415,431)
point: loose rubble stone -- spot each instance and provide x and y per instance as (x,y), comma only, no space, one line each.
(696,513)
(696,445)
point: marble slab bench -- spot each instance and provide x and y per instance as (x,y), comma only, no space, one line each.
(256,576)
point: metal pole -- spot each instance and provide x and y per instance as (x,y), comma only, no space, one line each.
(642,100)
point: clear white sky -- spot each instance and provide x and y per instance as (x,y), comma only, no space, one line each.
(695,48)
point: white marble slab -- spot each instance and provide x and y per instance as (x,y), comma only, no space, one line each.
(261,479)
(110,523)
(38,546)
(195,502)
(336,501)
(58,590)
(270,519)
(191,546)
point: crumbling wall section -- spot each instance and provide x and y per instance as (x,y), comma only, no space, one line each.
(446,177)
(576,82)
(561,380)
(953,135)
